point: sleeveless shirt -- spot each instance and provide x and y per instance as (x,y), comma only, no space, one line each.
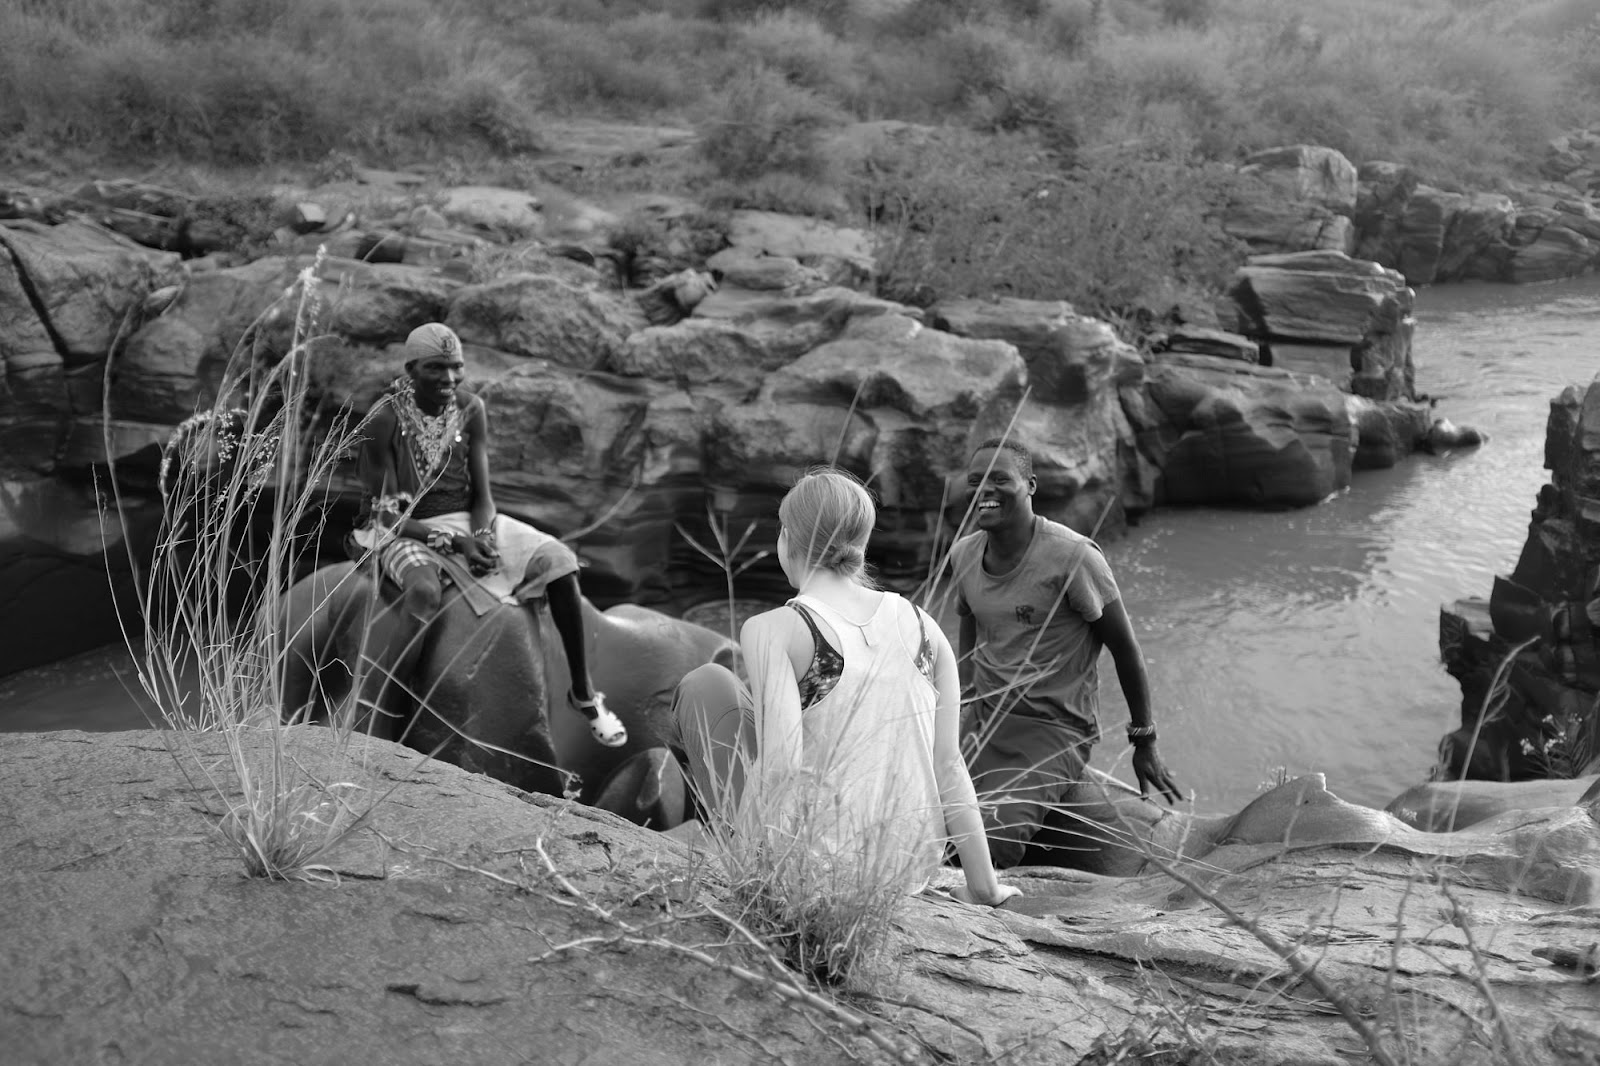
(868,746)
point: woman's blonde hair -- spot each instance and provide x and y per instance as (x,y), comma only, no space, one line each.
(829,517)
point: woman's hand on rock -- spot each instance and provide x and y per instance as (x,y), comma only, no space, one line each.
(1001,895)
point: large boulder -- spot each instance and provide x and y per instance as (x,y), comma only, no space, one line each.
(1442,231)
(1431,234)
(67,293)
(1423,224)
(1557,251)
(1386,431)
(378,303)
(1222,431)
(888,397)
(1353,315)
(1382,191)
(843,255)
(619,458)
(741,335)
(174,363)
(1528,660)
(504,214)
(1294,199)
(1072,422)
(560,315)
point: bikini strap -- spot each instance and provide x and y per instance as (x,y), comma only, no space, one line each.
(923,659)
(817,640)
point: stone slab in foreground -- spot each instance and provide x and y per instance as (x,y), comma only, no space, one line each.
(131,934)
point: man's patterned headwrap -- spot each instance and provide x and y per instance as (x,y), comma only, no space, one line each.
(430,340)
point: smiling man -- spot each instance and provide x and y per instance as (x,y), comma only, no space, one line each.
(1037,604)
(430,517)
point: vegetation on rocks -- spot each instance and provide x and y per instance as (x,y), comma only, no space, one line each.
(1087,94)
(1468,91)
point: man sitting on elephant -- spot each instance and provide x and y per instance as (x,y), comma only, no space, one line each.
(430,518)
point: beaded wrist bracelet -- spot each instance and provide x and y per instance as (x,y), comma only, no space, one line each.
(1138,734)
(441,540)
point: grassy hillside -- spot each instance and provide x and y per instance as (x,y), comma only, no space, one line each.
(1467,88)
(1115,108)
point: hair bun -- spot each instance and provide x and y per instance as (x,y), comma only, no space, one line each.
(846,557)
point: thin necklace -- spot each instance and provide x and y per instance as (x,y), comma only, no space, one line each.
(861,626)
(431,435)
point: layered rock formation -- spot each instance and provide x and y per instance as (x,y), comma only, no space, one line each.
(1296,198)
(1347,320)
(1528,657)
(131,933)
(1226,431)
(1305,198)
(633,425)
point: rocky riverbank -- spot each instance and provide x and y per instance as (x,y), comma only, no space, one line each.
(1528,656)
(1308,197)
(132,934)
(648,364)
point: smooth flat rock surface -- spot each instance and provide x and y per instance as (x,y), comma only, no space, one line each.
(132,935)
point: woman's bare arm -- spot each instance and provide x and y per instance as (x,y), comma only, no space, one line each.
(765,642)
(962,821)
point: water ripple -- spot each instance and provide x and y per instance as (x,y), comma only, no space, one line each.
(1308,639)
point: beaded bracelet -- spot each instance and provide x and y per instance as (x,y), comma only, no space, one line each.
(1144,733)
(442,541)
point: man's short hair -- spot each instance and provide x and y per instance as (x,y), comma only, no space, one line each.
(1024,459)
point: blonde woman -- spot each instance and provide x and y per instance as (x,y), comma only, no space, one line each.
(851,722)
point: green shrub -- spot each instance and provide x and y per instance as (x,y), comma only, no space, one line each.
(761,123)
(1465,91)
(1120,234)
(802,49)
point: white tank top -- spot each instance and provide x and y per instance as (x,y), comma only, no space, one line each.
(869,746)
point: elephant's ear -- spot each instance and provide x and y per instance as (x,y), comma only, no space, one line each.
(731,659)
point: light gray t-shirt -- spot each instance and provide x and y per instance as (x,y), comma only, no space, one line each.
(1033,624)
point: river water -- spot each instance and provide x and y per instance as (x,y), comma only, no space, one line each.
(1301,640)
(1308,640)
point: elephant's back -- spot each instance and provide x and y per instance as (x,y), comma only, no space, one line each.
(482,679)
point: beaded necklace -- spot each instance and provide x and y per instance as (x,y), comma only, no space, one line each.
(431,435)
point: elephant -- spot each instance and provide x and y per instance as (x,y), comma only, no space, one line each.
(491,679)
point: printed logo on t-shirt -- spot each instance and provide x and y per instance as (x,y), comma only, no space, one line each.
(1025,614)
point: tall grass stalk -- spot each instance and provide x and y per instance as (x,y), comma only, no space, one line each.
(726,555)
(817,886)
(211,643)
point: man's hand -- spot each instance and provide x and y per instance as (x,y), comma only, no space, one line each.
(1002,893)
(480,558)
(1149,769)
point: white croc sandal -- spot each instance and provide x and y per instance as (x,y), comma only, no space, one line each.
(605,727)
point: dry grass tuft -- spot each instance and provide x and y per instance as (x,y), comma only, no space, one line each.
(244,493)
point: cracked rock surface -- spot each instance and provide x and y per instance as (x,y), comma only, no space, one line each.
(131,934)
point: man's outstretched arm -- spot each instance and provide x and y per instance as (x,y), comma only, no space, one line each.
(1115,631)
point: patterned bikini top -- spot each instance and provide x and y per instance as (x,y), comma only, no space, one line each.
(827,663)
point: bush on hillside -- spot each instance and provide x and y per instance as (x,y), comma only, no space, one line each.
(629,66)
(1122,234)
(1466,92)
(801,49)
(761,124)
(231,81)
